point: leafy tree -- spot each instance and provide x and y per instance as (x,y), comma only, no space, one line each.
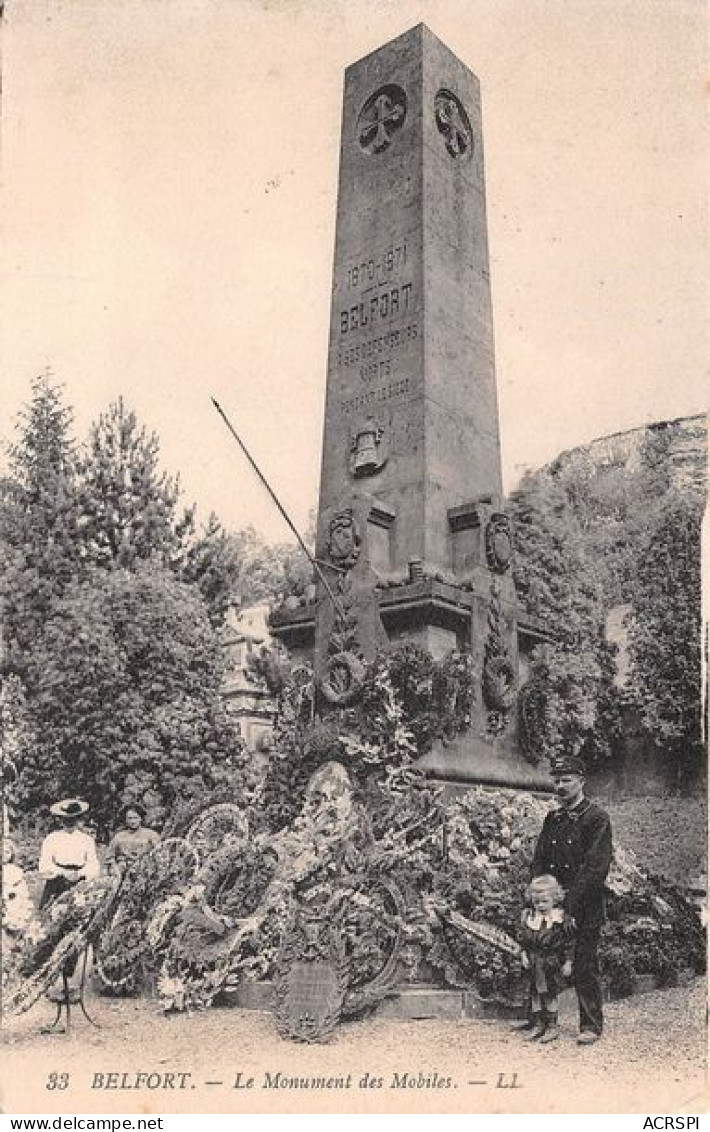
(665,633)
(125,685)
(271,571)
(612,505)
(557,580)
(16,739)
(589,538)
(213,561)
(111,601)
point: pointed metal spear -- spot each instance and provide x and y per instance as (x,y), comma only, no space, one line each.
(314,562)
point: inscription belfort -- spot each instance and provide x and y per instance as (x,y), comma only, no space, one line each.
(385,305)
(379,320)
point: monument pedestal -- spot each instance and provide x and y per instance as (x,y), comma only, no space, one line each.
(438,617)
(472,760)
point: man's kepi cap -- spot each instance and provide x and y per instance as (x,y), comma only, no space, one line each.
(567,764)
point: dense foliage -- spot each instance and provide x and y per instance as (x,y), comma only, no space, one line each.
(665,633)
(141,642)
(270,572)
(592,538)
(669,834)
(558,583)
(111,602)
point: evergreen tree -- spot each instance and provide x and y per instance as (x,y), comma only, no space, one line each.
(132,513)
(130,505)
(40,521)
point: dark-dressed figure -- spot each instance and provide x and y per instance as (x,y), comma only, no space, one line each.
(575,847)
(132,840)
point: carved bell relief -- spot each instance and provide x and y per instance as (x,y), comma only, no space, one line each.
(368,448)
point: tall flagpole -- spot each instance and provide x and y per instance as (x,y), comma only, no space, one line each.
(314,563)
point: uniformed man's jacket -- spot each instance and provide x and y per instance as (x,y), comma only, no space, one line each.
(575,847)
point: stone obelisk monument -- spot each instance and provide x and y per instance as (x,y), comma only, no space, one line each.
(411,530)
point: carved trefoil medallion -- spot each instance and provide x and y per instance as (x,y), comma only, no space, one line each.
(381,117)
(368,447)
(453,124)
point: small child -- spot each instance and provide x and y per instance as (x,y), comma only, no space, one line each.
(547,940)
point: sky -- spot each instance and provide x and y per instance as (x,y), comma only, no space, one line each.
(170,174)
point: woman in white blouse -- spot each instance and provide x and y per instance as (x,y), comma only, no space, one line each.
(69,854)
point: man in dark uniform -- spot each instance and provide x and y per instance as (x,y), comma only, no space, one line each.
(575,847)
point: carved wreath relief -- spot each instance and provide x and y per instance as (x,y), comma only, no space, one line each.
(380,118)
(453,124)
(344,671)
(500,680)
(499,675)
(499,547)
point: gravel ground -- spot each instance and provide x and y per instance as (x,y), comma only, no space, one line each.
(652,1059)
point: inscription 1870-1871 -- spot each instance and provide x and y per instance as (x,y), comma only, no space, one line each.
(380,269)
